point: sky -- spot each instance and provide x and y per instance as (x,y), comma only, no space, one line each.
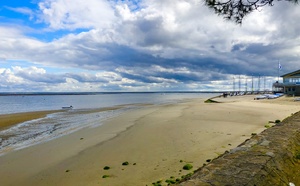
(142,45)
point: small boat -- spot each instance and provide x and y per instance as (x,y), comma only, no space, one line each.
(67,108)
(271,96)
(260,97)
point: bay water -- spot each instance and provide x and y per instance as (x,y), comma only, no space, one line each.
(88,111)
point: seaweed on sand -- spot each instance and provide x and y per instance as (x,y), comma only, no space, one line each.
(210,101)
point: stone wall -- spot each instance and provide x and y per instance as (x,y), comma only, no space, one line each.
(269,158)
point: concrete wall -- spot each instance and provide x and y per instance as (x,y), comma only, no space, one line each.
(270,158)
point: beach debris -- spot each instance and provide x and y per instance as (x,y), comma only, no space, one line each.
(67,108)
(125,163)
(106,168)
(211,101)
(291,184)
(208,160)
(105,176)
(68,170)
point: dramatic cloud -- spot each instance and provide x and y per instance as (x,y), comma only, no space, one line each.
(101,45)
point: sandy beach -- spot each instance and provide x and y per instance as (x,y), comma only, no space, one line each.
(15,118)
(156,141)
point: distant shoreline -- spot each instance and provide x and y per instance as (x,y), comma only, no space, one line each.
(98,93)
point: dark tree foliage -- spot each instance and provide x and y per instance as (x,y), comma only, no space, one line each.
(236,10)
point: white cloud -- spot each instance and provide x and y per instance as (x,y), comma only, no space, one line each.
(22,10)
(8,77)
(30,70)
(65,14)
(123,11)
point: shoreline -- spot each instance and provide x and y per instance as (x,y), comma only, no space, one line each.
(155,138)
(8,120)
(11,119)
(35,133)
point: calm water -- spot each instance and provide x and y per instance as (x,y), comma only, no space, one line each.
(62,123)
(15,104)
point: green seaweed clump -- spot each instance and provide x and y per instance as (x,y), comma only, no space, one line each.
(105,176)
(170,181)
(267,126)
(187,167)
(187,175)
(158,183)
(297,155)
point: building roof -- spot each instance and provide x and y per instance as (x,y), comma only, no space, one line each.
(292,74)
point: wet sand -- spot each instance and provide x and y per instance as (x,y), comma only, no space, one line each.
(7,120)
(156,141)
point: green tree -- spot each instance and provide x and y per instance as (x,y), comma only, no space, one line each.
(236,10)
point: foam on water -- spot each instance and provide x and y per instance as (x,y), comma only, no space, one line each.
(52,126)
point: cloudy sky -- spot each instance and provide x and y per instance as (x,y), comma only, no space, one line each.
(141,45)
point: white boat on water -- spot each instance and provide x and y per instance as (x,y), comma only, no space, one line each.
(68,108)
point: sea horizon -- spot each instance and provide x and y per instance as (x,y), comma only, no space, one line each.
(96,93)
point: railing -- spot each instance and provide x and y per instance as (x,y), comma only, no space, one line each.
(285,84)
